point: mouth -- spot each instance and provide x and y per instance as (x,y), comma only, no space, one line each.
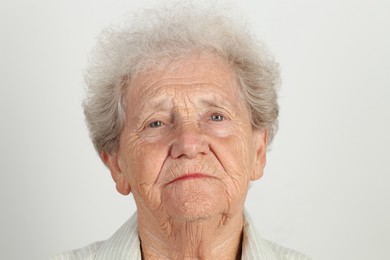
(189,176)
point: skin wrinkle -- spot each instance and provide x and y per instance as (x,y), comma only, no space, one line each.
(198,218)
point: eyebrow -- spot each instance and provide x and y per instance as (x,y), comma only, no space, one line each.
(213,100)
(164,102)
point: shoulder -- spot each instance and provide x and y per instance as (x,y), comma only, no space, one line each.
(84,253)
(255,247)
(284,253)
(123,244)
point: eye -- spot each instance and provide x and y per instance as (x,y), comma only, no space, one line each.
(217,117)
(155,124)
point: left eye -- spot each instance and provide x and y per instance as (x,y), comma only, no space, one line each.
(217,117)
(155,124)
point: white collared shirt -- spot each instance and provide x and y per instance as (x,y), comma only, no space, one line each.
(125,245)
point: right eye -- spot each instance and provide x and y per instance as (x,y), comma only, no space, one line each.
(217,118)
(155,124)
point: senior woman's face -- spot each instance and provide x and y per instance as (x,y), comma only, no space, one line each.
(187,150)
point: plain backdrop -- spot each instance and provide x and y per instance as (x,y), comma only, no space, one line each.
(326,187)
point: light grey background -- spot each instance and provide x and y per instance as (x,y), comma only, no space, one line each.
(326,187)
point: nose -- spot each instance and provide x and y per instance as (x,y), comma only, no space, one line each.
(189,142)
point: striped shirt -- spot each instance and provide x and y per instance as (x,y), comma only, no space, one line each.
(125,245)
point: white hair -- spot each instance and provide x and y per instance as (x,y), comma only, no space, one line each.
(164,34)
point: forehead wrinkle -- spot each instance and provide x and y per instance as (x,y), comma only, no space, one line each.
(160,85)
(197,98)
(183,104)
(164,81)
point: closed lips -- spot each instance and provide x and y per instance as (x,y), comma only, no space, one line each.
(190,176)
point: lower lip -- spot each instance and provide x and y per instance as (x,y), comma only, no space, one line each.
(189,177)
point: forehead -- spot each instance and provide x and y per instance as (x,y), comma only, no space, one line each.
(200,74)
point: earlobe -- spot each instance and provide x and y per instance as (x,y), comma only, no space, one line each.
(111,161)
(261,154)
(122,186)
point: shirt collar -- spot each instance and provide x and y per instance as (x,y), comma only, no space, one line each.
(125,243)
(253,246)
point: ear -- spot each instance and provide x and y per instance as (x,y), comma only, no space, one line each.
(111,160)
(260,142)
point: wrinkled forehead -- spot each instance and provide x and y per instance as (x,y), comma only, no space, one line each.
(194,73)
(196,98)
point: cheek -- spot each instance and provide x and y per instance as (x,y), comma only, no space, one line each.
(145,162)
(154,136)
(143,165)
(234,155)
(231,154)
(224,129)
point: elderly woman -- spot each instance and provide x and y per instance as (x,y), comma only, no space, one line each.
(181,106)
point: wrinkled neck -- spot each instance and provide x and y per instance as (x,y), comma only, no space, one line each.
(219,237)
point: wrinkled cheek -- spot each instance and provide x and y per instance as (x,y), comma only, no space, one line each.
(235,159)
(236,163)
(145,163)
(236,187)
(145,171)
(146,192)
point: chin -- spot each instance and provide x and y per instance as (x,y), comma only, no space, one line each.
(195,207)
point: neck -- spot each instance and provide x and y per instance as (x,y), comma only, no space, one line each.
(217,237)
